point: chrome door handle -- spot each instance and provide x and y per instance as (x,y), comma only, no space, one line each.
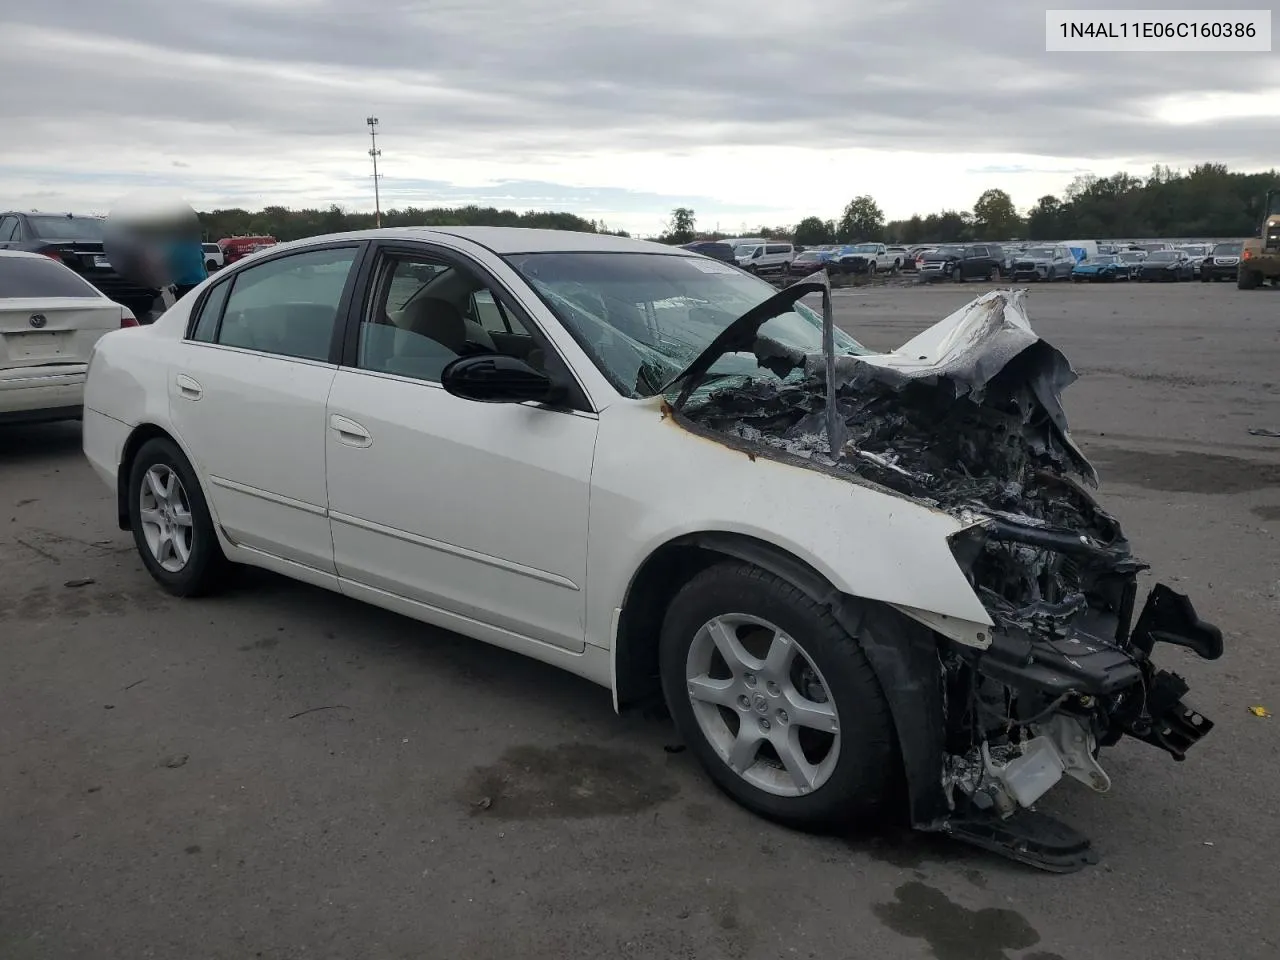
(350,432)
(188,388)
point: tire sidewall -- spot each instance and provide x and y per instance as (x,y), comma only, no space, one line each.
(206,552)
(862,780)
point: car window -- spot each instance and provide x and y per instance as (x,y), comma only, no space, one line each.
(978,251)
(448,313)
(41,277)
(778,248)
(205,327)
(287,306)
(88,229)
(8,228)
(642,318)
(212,248)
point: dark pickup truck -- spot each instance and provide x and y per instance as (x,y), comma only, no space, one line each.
(961,262)
(76,242)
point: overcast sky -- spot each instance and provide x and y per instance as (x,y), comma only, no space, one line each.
(746,110)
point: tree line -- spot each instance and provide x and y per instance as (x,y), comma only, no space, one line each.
(1207,201)
(285,224)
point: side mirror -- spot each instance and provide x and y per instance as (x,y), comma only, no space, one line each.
(495,378)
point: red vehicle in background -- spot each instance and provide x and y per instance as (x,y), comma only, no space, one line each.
(237,248)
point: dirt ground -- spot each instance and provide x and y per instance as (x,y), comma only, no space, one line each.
(283,773)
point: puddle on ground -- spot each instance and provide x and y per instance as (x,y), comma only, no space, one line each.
(571,780)
(954,932)
(1184,471)
(1270,511)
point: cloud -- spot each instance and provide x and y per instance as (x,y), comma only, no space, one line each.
(740,108)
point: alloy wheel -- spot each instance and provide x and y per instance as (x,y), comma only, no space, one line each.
(763,705)
(165,512)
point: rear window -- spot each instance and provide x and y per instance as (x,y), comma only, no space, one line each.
(1228,249)
(67,228)
(40,277)
(212,248)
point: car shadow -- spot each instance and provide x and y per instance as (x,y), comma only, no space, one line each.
(354,628)
(21,442)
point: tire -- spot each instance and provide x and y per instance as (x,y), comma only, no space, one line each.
(994,275)
(958,274)
(1205,277)
(854,771)
(1052,275)
(205,568)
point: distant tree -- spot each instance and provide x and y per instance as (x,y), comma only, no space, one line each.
(945,227)
(812,231)
(995,217)
(862,220)
(1044,220)
(682,227)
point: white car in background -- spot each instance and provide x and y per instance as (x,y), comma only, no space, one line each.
(50,319)
(214,258)
(610,455)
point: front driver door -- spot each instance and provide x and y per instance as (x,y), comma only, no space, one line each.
(475,509)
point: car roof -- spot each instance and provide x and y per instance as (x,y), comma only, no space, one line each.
(506,240)
(47,213)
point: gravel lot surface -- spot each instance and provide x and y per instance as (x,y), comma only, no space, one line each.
(283,773)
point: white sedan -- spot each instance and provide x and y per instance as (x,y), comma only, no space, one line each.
(50,319)
(622,458)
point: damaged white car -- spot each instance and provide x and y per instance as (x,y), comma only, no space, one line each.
(853,577)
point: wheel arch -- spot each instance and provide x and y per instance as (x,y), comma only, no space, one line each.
(907,667)
(139,436)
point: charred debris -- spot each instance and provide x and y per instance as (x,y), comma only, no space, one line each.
(981,434)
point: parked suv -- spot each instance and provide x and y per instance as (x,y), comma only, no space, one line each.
(1044,263)
(769,257)
(1223,263)
(75,242)
(961,262)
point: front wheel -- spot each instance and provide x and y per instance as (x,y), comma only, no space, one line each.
(171,523)
(778,703)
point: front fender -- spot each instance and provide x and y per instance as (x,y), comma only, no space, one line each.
(656,480)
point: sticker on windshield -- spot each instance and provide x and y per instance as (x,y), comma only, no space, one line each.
(710,266)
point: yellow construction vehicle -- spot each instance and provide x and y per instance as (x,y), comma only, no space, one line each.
(1260,258)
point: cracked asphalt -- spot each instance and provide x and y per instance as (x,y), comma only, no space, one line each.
(283,773)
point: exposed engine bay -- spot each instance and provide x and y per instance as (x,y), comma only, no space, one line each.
(967,419)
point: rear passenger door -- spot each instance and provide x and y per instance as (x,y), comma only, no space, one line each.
(247,398)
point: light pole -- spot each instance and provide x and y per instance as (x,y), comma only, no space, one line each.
(375,153)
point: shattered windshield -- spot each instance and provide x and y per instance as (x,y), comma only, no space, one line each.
(643,318)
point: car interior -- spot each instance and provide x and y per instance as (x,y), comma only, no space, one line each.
(424,315)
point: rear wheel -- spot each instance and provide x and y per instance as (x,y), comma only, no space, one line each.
(993,275)
(778,703)
(171,523)
(1248,279)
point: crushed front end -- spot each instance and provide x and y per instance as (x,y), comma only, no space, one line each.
(967,419)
